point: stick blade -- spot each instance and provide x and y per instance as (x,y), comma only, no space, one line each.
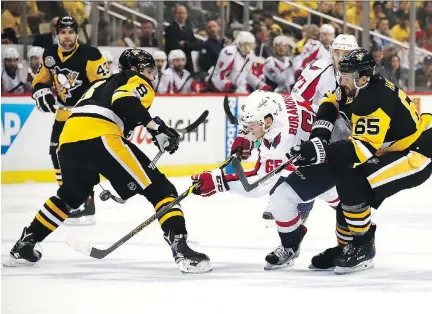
(238,169)
(79,246)
(194,124)
(228,113)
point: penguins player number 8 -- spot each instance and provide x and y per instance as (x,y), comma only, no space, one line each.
(367,125)
(141,90)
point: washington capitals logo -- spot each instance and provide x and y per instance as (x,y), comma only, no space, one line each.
(274,143)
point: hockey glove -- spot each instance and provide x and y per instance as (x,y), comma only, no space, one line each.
(310,152)
(164,137)
(242,147)
(45,100)
(211,183)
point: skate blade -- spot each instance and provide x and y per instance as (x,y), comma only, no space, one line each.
(12,262)
(81,221)
(269,266)
(312,267)
(188,266)
(347,270)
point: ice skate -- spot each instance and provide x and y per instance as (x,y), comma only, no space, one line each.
(84,215)
(188,260)
(325,260)
(25,252)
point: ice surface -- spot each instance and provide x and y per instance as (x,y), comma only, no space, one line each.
(141,276)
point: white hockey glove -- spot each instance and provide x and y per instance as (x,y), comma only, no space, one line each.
(211,183)
(45,100)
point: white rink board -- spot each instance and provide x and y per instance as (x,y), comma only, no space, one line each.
(26,131)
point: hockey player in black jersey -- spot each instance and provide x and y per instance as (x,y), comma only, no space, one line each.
(70,67)
(94,142)
(390,150)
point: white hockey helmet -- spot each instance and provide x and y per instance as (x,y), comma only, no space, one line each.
(245,42)
(35,51)
(344,42)
(108,56)
(281,40)
(327,29)
(259,105)
(11,53)
(176,54)
(159,55)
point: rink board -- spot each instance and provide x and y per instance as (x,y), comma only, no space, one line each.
(26,135)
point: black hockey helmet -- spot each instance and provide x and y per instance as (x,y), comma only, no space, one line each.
(138,58)
(358,61)
(66,22)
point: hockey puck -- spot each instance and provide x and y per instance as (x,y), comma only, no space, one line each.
(105,195)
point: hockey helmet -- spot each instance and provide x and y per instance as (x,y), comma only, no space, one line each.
(138,58)
(66,22)
(344,42)
(35,51)
(245,42)
(176,54)
(11,54)
(327,29)
(160,55)
(358,61)
(108,56)
(281,40)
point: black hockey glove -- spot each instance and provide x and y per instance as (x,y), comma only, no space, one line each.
(310,152)
(45,100)
(165,138)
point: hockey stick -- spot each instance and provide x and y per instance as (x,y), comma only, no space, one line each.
(91,251)
(228,113)
(194,124)
(238,169)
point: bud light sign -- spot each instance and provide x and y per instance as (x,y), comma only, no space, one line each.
(13,117)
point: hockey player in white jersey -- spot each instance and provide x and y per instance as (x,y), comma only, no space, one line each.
(234,62)
(278,70)
(160,58)
(320,76)
(34,60)
(315,48)
(279,122)
(176,78)
(11,80)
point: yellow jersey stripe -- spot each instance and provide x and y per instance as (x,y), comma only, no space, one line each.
(44,222)
(164,201)
(55,209)
(169,215)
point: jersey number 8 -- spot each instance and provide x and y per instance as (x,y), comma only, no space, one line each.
(369,126)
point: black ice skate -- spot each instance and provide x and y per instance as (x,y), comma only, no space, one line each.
(357,256)
(325,260)
(284,257)
(25,252)
(269,221)
(189,260)
(84,215)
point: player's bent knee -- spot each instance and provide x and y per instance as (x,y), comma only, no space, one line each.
(72,199)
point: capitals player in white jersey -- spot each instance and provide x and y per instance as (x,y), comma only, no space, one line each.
(176,78)
(11,80)
(280,123)
(278,70)
(314,49)
(233,65)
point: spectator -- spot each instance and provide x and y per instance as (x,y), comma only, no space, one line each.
(390,13)
(337,12)
(11,77)
(11,18)
(268,20)
(377,54)
(127,38)
(354,14)
(325,8)
(298,49)
(8,37)
(293,14)
(401,30)
(76,9)
(35,58)
(418,55)
(403,8)
(398,75)
(147,36)
(179,35)
(47,40)
(384,29)
(51,9)
(263,49)
(377,13)
(257,17)
(424,74)
(424,15)
(34,16)
(212,47)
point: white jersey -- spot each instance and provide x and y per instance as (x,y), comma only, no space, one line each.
(279,73)
(313,50)
(290,128)
(9,83)
(232,68)
(173,82)
(314,82)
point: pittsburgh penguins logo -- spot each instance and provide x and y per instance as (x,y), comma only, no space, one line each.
(66,81)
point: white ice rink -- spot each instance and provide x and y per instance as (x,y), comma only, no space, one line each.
(141,276)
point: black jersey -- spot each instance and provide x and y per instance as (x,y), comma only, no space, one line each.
(383,119)
(70,72)
(112,106)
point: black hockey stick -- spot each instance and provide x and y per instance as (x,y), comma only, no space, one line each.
(228,113)
(194,124)
(91,251)
(238,169)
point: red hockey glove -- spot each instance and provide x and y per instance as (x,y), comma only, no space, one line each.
(242,147)
(211,183)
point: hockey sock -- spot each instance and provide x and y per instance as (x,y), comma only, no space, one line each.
(290,239)
(358,218)
(173,220)
(343,234)
(47,220)
(57,170)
